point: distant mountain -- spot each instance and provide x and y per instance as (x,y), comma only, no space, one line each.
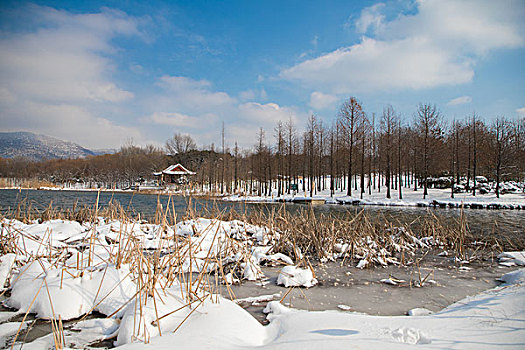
(38,147)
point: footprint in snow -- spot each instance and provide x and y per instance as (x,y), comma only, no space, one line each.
(410,336)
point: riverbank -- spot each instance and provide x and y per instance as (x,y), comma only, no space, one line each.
(436,198)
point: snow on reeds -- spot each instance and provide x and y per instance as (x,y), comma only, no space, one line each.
(154,277)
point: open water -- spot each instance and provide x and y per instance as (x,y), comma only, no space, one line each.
(482,222)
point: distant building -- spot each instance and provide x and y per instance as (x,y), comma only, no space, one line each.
(174,174)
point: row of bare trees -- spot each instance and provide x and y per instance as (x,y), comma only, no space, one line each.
(359,153)
(356,153)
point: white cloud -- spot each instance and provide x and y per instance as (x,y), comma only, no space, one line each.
(265,114)
(439,45)
(521,111)
(6,97)
(63,65)
(180,120)
(372,64)
(64,61)
(459,101)
(465,27)
(371,17)
(318,100)
(173,119)
(192,96)
(193,106)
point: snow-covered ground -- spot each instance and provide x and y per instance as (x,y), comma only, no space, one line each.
(435,197)
(493,319)
(136,274)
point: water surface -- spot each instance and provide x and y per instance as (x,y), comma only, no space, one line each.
(482,222)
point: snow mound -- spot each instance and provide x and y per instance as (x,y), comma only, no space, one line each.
(514,277)
(512,259)
(419,311)
(344,307)
(410,336)
(6,264)
(58,293)
(218,324)
(293,276)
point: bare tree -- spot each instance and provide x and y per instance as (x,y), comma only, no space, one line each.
(454,155)
(388,124)
(502,151)
(279,136)
(291,142)
(350,113)
(400,173)
(518,127)
(260,152)
(364,131)
(180,143)
(223,158)
(310,145)
(474,150)
(236,167)
(429,127)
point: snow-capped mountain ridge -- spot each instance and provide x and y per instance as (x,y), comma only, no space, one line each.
(38,147)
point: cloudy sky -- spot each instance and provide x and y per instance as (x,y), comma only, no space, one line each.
(105,73)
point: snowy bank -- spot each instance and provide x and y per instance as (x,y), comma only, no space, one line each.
(437,198)
(481,322)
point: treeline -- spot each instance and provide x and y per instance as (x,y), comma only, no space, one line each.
(359,153)
(355,154)
(120,170)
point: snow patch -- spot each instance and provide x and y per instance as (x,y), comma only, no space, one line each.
(419,311)
(293,276)
(512,258)
(410,336)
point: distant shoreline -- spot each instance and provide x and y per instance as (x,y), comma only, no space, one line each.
(105,190)
(431,202)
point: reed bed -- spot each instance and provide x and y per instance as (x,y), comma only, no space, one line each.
(197,269)
(316,235)
(25,183)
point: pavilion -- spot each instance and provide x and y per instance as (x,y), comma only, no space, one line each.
(174,174)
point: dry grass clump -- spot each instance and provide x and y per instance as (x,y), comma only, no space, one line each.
(153,271)
(322,235)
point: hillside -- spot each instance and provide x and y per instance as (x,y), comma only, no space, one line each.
(38,147)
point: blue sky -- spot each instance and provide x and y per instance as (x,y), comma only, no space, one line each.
(105,73)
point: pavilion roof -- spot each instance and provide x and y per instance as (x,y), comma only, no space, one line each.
(175,169)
